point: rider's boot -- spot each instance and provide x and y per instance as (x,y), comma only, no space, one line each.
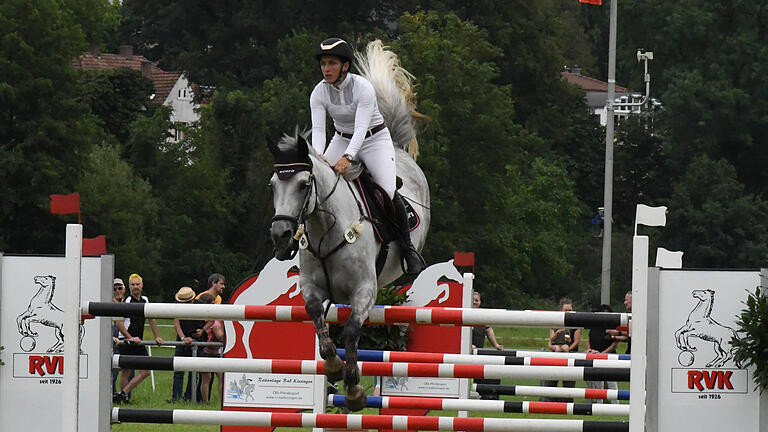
(413,260)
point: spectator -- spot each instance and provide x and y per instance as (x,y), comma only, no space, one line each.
(478,341)
(118,295)
(479,333)
(187,331)
(600,342)
(132,330)
(216,285)
(563,340)
(623,336)
(214,334)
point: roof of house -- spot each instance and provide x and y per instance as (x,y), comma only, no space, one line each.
(589,84)
(163,81)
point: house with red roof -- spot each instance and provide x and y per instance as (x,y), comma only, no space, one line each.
(171,88)
(596,94)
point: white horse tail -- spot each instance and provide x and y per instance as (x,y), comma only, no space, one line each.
(394,93)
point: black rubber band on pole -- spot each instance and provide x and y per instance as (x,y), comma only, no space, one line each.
(134,415)
(116,309)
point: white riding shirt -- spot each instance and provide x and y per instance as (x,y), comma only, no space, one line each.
(352,107)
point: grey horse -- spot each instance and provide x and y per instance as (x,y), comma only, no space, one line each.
(319,214)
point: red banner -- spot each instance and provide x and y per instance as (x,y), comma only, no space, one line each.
(66,204)
(592,2)
(95,246)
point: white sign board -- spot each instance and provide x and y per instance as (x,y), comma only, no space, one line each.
(700,387)
(416,386)
(31,299)
(269,390)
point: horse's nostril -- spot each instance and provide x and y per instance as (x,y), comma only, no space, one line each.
(286,235)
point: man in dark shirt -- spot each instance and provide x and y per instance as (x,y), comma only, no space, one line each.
(187,331)
(600,342)
(132,330)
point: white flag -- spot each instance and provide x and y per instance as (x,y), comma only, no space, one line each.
(650,216)
(668,259)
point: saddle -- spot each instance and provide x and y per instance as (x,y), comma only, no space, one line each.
(381,211)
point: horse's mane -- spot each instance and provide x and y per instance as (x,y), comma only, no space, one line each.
(394,93)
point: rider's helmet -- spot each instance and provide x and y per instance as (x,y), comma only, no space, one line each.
(337,47)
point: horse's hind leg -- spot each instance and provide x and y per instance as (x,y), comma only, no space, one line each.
(355,396)
(333,364)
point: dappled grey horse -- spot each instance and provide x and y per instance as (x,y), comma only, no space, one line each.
(320,214)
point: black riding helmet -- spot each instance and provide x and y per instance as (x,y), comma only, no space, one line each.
(337,47)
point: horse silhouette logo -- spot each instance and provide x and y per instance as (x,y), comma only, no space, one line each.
(41,310)
(431,284)
(243,389)
(273,282)
(701,325)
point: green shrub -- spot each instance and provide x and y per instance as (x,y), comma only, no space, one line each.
(752,346)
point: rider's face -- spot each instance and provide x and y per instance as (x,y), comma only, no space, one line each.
(331,67)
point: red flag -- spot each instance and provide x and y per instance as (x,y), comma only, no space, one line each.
(95,246)
(66,204)
(592,2)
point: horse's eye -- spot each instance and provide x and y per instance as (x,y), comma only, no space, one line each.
(269,185)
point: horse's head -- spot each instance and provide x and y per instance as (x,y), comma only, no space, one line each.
(45,281)
(291,185)
(703,294)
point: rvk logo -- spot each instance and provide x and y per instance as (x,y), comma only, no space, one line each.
(709,380)
(44,365)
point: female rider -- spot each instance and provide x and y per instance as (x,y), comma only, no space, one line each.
(360,131)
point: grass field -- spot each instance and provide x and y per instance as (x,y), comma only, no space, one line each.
(145,397)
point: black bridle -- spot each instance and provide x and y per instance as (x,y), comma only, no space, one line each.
(285,171)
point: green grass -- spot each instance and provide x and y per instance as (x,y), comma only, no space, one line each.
(144,397)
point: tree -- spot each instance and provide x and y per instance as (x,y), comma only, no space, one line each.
(118,203)
(117,97)
(489,194)
(714,220)
(44,129)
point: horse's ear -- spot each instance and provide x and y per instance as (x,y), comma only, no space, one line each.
(302,146)
(272,146)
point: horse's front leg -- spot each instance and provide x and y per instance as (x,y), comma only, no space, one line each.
(333,364)
(355,395)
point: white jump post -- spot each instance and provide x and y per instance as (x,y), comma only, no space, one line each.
(71,378)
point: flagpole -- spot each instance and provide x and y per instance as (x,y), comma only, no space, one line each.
(605,280)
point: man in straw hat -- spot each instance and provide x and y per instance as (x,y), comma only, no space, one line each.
(187,331)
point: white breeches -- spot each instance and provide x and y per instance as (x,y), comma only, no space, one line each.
(377,153)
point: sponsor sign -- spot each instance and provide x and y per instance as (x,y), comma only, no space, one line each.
(698,380)
(32,296)
(417,386)
(269,390)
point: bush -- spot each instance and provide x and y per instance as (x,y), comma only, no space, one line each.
(752,347)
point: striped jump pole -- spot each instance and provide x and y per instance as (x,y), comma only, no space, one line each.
(315,367)
(552,354)
(378,315)
(361,421)
(488,405)
(555,392)
(425,357)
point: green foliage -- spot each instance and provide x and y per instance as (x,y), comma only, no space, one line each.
(117,97)
(2,363)
(378,337)
(717,223)
(751,347)
(44,129)
(124,208)
(514,209)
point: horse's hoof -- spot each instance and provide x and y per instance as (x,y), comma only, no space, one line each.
(355,398)
(334,368)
